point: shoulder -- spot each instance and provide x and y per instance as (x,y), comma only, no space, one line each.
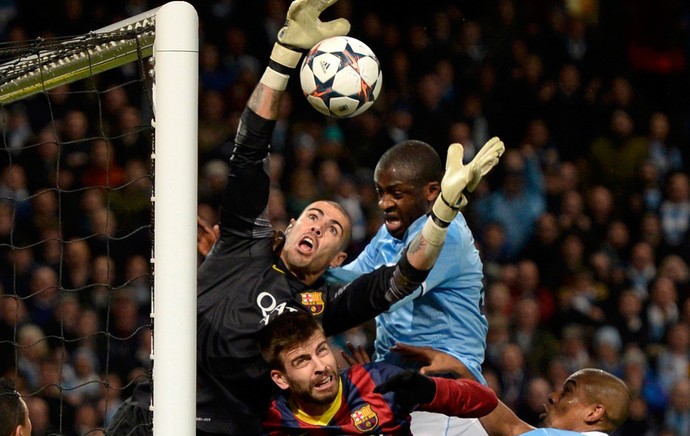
(376,371)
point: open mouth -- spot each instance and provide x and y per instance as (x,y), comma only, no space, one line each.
(325,383)
(307,244)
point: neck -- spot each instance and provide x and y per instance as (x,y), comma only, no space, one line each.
(307,278)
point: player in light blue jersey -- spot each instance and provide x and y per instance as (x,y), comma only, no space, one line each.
(446,313)
(591,402)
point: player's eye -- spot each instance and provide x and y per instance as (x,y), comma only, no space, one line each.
(322,350)
(300,362)
(333,230)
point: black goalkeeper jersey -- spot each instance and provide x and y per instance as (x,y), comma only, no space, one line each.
(242,283)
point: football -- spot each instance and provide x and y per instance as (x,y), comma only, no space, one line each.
(341,77)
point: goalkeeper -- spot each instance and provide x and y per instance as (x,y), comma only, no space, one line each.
(244,282)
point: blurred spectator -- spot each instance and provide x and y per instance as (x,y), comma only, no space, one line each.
(664,155)
(572,217)
(531,406)
(86,383)
(601,209)
(616,156)
(662,309)
(574,350)
(640,421)
(102,169)
(519,201)
(675,213)
(673,362)
(606,349)
(537,343)
(642,380)
(544,250)
(493,247)
(513,375)
(642,268)
(630,319)
(528,285)
(677,417)
(33,349)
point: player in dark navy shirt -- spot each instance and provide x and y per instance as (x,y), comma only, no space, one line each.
(375,398)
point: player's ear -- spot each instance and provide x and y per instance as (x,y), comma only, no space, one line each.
(338,259)
(431,191)
(595,413)
(289,227)
(279,379)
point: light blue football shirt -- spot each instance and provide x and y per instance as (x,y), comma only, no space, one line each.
(446,313)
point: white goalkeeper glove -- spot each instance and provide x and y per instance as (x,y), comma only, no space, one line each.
(458,179)
(303,29)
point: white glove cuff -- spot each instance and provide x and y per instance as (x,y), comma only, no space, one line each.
(274,79)
(433,233)
(285,56)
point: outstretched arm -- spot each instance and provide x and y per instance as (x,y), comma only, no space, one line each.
(246,195)
(500,422)
(503,422)
(462,398)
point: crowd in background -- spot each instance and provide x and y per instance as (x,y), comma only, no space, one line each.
(584,229)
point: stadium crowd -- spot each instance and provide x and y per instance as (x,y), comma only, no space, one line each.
(584,229)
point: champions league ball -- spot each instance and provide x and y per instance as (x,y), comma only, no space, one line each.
(341,77)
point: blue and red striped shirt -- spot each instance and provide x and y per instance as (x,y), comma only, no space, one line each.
(358,410)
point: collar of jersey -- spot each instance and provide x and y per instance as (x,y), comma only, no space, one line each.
(325,418)
(279,266)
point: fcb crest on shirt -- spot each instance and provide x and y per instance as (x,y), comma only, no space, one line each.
(313,301)
(365,419)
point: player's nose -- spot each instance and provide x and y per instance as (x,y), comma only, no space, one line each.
(553,397)
(316,228)
(385,202)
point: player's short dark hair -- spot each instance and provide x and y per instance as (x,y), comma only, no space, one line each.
(12,411)
(284,331)
(417,160)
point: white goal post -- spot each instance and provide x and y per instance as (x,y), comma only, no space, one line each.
(169,34)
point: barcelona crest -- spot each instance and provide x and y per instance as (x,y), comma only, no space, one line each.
(365,419)
(313,301)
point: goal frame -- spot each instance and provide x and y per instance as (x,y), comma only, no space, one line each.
(170,34)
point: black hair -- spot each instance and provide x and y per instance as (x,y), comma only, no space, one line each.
(417,160)
(12,410)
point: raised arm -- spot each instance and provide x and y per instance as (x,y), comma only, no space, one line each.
(426,246)
(246,196)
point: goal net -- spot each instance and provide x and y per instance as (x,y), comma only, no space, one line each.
(98,195)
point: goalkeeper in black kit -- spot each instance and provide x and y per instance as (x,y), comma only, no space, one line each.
(253,275)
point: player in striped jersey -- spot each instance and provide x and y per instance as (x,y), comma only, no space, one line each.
(374,398)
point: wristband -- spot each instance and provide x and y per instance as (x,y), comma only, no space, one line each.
(433,233)
(274,80)
(285,57)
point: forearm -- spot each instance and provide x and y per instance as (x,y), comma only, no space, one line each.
(463,398)
(265,101)
(503,422)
